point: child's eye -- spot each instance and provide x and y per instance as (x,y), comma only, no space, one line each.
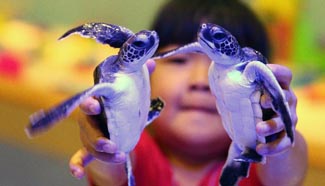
(177,60)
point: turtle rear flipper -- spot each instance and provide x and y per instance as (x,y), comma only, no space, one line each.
(232,173)
(233,170)
(249,155)
(104,33)
(156,107)
(43,120)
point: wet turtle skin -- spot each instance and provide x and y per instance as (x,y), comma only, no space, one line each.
(238,77)
(121,85)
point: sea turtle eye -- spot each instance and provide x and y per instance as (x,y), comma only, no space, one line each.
(219,36)
(139,43)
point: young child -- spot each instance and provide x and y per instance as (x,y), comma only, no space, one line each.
(187,144)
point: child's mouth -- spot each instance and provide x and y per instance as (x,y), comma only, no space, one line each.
(200,108)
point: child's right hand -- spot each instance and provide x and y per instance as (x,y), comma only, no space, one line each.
(96,145)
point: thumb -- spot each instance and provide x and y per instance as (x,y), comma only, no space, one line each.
(79,161)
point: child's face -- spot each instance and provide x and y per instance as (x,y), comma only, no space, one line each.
(190,120)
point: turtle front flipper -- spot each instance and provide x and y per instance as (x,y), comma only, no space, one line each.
(43,120)
(192,47)
(104,33)
(259,72)
(156,107)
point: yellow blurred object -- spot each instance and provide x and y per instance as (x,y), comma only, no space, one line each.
(67,65)
(48,65)
(311,120)
(10,9)
(280,17)
(276,9)
(316,90)
(19,36)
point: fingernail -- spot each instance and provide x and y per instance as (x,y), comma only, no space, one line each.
(95,109)
(266,102)
(109,147)
(120,157)
(77,172)
(261,150)
(262,128)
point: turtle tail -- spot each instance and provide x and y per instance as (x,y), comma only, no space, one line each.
(128,168)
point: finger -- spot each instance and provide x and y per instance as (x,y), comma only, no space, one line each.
(292,101)
(93,138)
(289,96)
(104,145)
(91,134)
(282,74)
(119,157)
(266,101)
(78,162)
(151,64)
(102,153)
(274,147)
(269,127)
(89,126)
(90,106)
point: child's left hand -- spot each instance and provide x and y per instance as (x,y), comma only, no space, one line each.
(275,125)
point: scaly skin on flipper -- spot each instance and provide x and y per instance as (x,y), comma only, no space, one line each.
(113,35)
(42,121)
(156,107)
(237,77)
(194,47)
(122,87)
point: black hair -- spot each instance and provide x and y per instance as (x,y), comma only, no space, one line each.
(178,21)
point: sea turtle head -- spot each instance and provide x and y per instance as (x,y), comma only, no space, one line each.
(219,44)
(138,49)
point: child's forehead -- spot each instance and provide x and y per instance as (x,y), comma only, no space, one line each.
(168,48)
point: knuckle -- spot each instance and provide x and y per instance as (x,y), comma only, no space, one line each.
(294,119)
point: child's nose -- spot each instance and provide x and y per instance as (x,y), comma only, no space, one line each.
(199,76)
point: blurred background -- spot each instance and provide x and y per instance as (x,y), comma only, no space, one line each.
(37,71)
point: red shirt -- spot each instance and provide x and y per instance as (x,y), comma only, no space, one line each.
(152,168)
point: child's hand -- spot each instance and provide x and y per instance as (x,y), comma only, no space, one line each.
(275,124)
(96,145)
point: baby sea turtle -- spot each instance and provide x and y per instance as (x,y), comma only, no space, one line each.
(121,85)
(237,77)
